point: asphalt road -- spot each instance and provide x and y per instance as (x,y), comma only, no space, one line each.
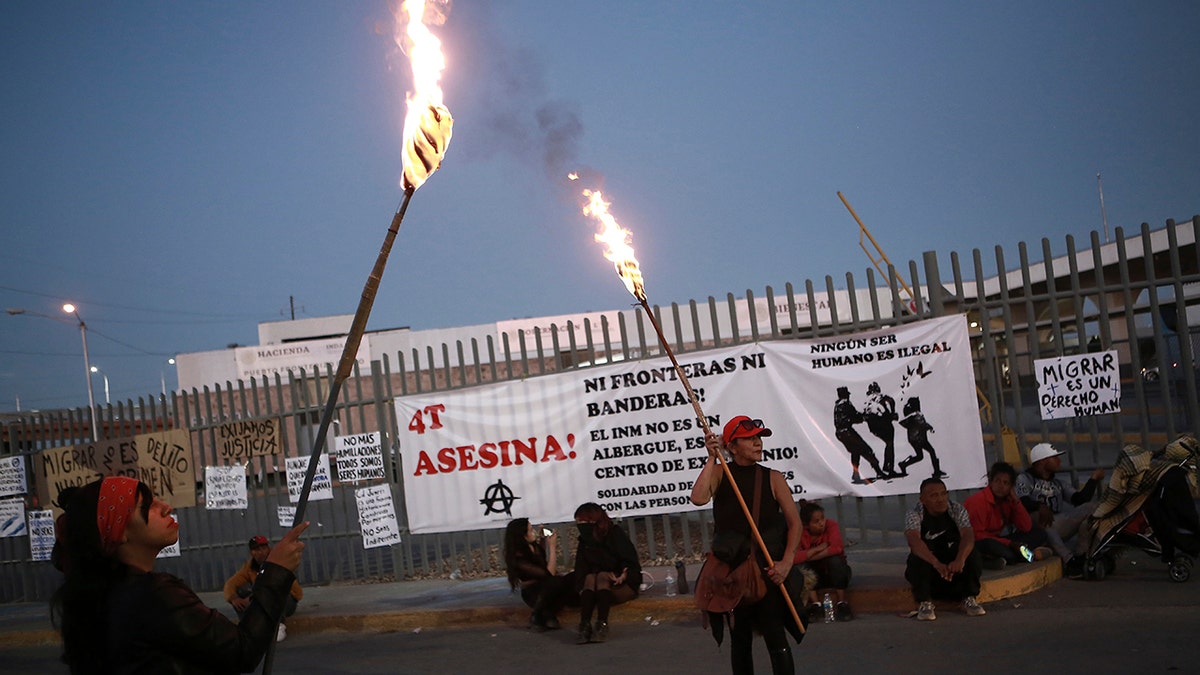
(1137,621)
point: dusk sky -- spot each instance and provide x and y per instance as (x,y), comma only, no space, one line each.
(178,170)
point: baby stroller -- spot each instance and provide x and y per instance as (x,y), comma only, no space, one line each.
(1149,504)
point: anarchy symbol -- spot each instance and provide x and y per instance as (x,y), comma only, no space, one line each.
(498,494)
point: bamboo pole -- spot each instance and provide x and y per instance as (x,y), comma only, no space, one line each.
(345,367)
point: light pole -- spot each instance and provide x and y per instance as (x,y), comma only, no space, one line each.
(103,374)
(163,372)
(87,366)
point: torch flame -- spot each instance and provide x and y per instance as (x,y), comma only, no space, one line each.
(616,238)
(428,124)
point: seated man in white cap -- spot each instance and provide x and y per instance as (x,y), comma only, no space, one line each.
(1055,506)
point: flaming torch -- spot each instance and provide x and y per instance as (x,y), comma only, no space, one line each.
(427,130)
(620,252)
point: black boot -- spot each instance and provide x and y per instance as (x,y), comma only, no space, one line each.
(781,662)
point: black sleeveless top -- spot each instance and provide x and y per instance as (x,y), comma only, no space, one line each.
(728,514)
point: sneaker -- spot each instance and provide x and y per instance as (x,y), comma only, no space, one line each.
(281,633)
(842,611)
(971,606)
(601,632)
(925,612)
(551,623)
(993,563)
(815,613)
(585,633)
(1073,567)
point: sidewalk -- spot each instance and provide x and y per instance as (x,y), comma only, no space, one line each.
(878,586)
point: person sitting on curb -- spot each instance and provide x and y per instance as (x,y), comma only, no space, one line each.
(531,561)
(1004,532)
(1059,507)
(942,560)
(607,570)
(822,551)
(239,586)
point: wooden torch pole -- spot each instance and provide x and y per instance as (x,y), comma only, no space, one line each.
(662,340)
(345,368)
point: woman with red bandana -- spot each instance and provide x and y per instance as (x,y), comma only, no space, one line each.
(117,615)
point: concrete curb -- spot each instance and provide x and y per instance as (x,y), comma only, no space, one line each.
(893,597)
(423,605)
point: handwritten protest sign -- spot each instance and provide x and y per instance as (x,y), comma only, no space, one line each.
(41,533)
(377,516)
(162,460)
(225,487)
(322,486)
(243,439)
(359,457)
(286,515)
(12,517)
(12,476)
(626,436)
(1079,385)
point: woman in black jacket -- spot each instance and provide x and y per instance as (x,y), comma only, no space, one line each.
(532,564)
(117,615)
(607,570)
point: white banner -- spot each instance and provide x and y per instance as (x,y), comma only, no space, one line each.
(359,457)
(225,487)
(322,486)
(255,362)
(1078,386)
(12,476)
(626,435)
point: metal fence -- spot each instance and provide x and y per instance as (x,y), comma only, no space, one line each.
(1131,296)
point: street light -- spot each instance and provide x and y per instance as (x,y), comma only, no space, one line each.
(103,374)
(163,373)
(87,366)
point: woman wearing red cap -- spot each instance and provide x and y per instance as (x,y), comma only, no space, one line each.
(778,522)
(117,615)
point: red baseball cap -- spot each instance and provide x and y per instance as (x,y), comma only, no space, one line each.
(743,427)
(257,540)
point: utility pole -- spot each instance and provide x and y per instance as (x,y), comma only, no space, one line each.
(1103,215)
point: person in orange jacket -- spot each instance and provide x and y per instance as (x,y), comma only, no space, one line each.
(1004,532)
(239,586)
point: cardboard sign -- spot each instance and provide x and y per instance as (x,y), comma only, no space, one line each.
(162,460)
(239,441)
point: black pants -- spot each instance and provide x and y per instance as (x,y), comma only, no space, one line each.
(766,616)
(549,596)
(927,584)
(832,572)
(992,548)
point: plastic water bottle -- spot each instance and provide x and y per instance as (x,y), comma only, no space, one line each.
(672,591)
(827,605)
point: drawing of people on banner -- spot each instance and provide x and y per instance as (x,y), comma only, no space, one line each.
(918,437)
(845,416)
(880,413)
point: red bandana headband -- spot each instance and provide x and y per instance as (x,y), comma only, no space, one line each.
(118,498)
